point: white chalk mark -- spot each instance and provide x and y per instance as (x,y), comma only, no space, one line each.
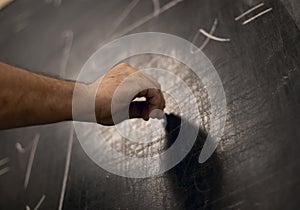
(21,149)
(38,204)
(249,11)
(68,37)
(4,171)
(156,7)
(67,166)
(4,161)
(31,158)
(213,37)
(147,18)
(256,16)
(212,30)
(125,13)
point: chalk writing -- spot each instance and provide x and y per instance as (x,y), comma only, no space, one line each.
(3,162)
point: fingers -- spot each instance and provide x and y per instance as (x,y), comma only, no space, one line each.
(151,91)
(155,101)
(147,87)
(141,109)
(138,109)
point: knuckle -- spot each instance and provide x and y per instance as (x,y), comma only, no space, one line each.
(123,65)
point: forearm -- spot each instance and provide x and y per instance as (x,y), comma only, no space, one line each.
(30,99)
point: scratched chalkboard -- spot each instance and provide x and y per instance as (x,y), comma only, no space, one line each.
(254,46)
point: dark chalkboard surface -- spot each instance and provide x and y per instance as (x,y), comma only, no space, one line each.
(257,162)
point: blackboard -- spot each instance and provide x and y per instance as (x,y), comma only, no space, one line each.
(257,163)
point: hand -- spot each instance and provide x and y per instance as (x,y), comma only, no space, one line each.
(116,91)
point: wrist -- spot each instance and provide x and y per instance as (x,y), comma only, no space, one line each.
(83,102)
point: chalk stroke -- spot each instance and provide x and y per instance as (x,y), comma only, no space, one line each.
(4,171)
(38,204)
(143,20)
(212,30)
(68,39)
(147,18)
(22,149)
(256,16)
(213,37)
(208,37)
(67,166)
(31,158)
(125,13)
(156,7)
(4,161)
(249,11)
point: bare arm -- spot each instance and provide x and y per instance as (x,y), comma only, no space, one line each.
(30,99)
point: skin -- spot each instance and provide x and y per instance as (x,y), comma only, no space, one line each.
(29,99)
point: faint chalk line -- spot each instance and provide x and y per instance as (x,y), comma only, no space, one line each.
(125,13)
(256,16)
(212,30)
(67,166)
(38,204)
(156,7)
(4,161)
(20,148)
(144,20)
(210,36)
(31,158)
(68,36)
(249,11)
(147,18)
(4,171)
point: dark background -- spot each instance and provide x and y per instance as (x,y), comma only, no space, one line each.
(257,163)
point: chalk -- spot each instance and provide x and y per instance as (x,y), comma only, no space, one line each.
(249,11)
(256,16)
(213,37)
(31,158)
(4,171)
(67,166)
(4,161)
(212,30)
(40,202)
